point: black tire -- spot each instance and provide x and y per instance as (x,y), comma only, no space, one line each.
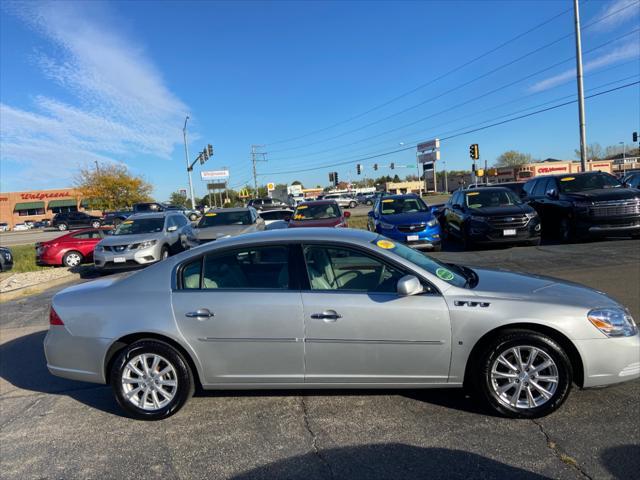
(164,253)
(72,258)
(565,230)
(63,227)
(369,202)
(193,217)
(353,204)
(96,224)
(483,383)
(467,243)
(184,388)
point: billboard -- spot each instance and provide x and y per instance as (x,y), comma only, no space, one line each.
(429,157)
(429,145)
(214,175)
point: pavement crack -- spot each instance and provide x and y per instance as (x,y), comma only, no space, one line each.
(314,438)
(558,453)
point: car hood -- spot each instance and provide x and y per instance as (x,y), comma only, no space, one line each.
(603,194)
(499,211)
(212,233)
(500,283)
(129,239)
(327,222)
(408,218)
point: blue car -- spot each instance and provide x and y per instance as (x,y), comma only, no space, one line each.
(406,219)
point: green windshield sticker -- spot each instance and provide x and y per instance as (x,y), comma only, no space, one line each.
(444,274)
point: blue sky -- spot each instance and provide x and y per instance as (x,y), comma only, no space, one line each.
(86,81)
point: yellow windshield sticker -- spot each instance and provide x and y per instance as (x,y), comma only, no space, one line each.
(470,194)
(386,244)
(127,222)
(210,214)
(567,179)
(388,200)
(298,217)
(302,207)
(444,274)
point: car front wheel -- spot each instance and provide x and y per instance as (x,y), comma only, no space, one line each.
(72,259)
(62,227)
(95,224)
(151,380)
(353,205)
(524,374)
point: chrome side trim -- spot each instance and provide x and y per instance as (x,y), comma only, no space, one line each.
(243,339)
(383,342)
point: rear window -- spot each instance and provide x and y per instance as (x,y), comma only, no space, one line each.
(216,219)
(316,212)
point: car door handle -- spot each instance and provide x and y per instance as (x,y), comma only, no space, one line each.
(201,313)
(327,316)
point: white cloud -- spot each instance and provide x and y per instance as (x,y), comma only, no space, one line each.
(121,107)
(628,10)
(618,54)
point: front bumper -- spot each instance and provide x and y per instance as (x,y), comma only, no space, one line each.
(73,357)
(609,360)
(484,232)
(611,225)
(106,260)
(427,239)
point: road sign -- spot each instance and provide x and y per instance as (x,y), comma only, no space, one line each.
(271,187)
(429,157)
(183,192)
(214,175)
(429,145)
(427,166)
(216,185)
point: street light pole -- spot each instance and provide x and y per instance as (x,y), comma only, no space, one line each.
(186,156)
(583,132)
(624,156)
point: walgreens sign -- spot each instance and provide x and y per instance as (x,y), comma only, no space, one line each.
(43,195)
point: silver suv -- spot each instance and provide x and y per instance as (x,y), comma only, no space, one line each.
(342,199)
(142,239)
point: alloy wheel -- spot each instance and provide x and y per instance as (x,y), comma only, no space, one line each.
(72,259)
(149,381)
(524,377)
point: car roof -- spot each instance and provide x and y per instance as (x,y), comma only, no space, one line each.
(487,189)
(234,209)
(401,195)
(151,215)
(319,202)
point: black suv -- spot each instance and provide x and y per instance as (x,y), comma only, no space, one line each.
(68,220)
(489,215)
(580,204)
(266,204)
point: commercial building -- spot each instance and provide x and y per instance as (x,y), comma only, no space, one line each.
(35,205)
(548,167)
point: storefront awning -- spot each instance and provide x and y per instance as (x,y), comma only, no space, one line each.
(70,202)
(28,206)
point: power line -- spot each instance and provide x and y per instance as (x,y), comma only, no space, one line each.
(452,89)
(458,134)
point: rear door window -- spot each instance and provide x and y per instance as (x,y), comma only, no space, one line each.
(541,187)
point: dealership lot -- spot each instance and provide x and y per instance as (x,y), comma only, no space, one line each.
(51,427)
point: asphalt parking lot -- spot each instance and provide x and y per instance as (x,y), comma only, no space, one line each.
(56,428)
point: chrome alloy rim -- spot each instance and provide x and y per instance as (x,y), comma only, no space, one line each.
(73,259)
(149,381)
(524,377)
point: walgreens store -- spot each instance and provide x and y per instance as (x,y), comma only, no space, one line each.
(19,207)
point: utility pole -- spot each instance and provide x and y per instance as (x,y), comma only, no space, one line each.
(583,132)
(254,159)
(186,156)
(446,182)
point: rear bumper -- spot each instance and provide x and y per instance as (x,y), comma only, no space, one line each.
(76,358)
(610,360)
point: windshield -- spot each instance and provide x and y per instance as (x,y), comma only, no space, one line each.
(316,212)
(582,183)
(491,198)
(140,225)
(217,219)
(449,273)
(391,206)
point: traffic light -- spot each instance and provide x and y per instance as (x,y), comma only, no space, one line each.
(335,178)
(210,150)
(375,165)
(331,177)
(358,168)
(635,136)
(393,165)
(474,151)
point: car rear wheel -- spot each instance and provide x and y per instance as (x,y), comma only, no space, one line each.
(565,230)
(95,224)
(151,380)
(353,204)
(72,259)
(524,374)
(193,217)
(62,227)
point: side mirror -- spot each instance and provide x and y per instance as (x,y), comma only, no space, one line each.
(409,285)
(346,214)
(370,213)
(552,193)
(172,228)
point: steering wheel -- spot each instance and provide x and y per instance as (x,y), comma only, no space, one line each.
(381,276)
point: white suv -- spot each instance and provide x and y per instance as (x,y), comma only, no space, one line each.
(345,201)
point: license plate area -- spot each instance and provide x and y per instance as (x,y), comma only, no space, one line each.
(509,232)
(412,238)
(119,260)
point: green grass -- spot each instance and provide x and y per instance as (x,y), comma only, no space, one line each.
(358,222)
(24,258)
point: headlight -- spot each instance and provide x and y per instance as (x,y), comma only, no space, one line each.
(531,215)
(99,248)
(613,322)
(476,218)
(386,226)
(432,223)
(146,244)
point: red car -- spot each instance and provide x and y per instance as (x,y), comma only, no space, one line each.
(321,213)
(70,250)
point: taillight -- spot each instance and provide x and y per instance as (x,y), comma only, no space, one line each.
(54,319)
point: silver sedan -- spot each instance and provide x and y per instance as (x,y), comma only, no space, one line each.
(328,308)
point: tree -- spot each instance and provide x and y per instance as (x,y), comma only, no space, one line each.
(396,178)
(297,182)
(179,200)
(411,178)
(112,187)
(594,152)
(512,158)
